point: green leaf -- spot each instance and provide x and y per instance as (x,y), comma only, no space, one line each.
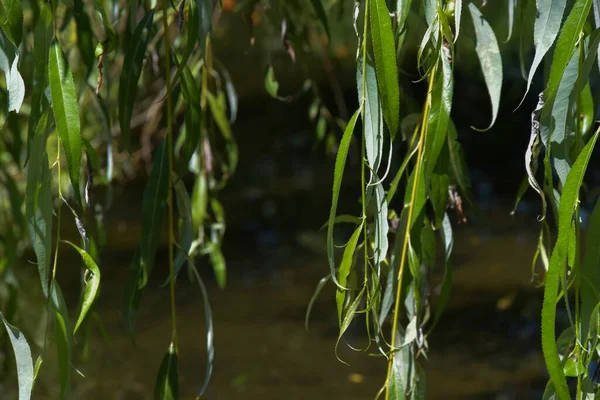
(398,383)
(568,204)
(91,286)
(63,339)
(590,284)
(167,386)
(565,46)
(130,75)
(153,209)
(23,359)
(38,202)
(439,115)
(546,27)
(44,31)
(340,163)
(85,39)
(489,56)
(380,241)
(186,229)
(192,116)
(271,84)
(108,29)
(372,116)
(205,12)
(218,263)
(199,201)
(344,270)
(321,14)
(66,114)
(442,300)
(420,194)
(12,20)
(457,17)
(384,49)
(318,290)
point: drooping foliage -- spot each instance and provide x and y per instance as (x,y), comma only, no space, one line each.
(87,85)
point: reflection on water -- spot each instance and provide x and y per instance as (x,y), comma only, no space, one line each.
(486,345)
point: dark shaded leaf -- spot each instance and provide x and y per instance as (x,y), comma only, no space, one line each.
(153,209)
(167,385)
(11,21)
(44,31)
(38,202)
(130,75)
(62,328)
(321,14)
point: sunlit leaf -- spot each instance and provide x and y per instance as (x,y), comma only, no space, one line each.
(16,87)
(271,84)
(167,385)
(340,163)
(372,116)
(199,201)
(384,49)
(439,115)
(38,202)
(546,27)
(130,75)
(568,203)
(512,5)
(489,57)
(218,263)
(565,46)
(91,286)
(66,114)
(23,359)
(380,241)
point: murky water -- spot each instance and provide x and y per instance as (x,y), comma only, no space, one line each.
(486,345)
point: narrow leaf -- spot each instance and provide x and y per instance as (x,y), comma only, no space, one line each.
(130,75)
(321,14)
(23,358)
(384,49)
(38,202)
(167,386)
(546,27)
(44,31)
(11,21)
(340,163)
(489,57)
(91,286)
(16,87)
(62,330)
(153,209)
(344,270)
(568,203)
(66,114)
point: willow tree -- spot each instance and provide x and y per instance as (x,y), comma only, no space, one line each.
(73,74)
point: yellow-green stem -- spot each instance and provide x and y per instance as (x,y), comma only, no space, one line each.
(418,166)
(169,137)
(363,149)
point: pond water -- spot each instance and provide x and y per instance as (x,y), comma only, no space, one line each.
(486,345)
